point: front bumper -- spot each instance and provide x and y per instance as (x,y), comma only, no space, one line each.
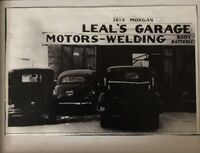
(76,108)
(27,111)
(75,103)
(15,113)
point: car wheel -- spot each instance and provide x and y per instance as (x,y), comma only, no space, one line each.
(154,115)
(52,115)
(13,121)
(153,120)
(52,118)
(149,120)
(156,122)
(106,120)
(94,108)
(52,111)
(153,123)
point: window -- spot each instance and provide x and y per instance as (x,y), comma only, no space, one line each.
(73,79)
(31,78)
(130,76)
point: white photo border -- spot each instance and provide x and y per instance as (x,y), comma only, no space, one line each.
(16,144)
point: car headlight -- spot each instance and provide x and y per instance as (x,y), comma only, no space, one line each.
(92,92)
(33,103)
(11,106)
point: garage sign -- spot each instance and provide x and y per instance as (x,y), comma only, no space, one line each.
(127,34)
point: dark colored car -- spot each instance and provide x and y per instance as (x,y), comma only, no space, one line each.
(129,100)
(30,95)
(77,92)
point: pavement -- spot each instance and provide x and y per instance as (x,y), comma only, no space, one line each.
(178,123)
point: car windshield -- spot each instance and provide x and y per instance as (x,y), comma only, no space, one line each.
(73,79)
(31,77)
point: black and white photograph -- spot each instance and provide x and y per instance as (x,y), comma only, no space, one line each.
(101,70)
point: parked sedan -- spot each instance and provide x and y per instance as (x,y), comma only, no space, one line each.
(77,92)
(30,95)
(129,100)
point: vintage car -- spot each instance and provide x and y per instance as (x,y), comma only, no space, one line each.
(77,92)
(129,100)
(30,95)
